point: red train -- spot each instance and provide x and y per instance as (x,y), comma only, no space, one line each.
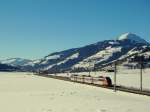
(101,80)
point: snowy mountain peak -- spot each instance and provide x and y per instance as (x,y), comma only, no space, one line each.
(132,37)
(15,61)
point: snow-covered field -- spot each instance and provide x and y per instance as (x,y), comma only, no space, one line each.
(24,92)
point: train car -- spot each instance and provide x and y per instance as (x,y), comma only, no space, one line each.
(88,79)
(103,81)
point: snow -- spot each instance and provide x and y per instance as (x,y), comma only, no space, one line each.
(44,62)
(147,53)
(16,61)
(115,42)
(32,63)
(53,57)
(132,37)
(24,92)
(49,66)
(61,62)
(49,58)
(36,61)
(74,56)
(8,61)
(98,57)
(131,52)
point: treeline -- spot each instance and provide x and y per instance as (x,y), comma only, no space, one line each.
(144,59)
(4,67)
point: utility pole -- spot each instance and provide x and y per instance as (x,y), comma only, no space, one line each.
(94,67)
(115,74)
(90,67)
(141,73)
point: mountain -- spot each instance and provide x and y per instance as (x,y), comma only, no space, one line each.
(86,57)
(15,61)
(132,37)
(92,55)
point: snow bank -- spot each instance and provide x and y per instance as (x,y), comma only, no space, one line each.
(28,93)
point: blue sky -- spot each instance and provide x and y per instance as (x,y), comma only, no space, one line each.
(34,28)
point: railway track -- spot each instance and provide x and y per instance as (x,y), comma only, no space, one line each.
(119,88)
